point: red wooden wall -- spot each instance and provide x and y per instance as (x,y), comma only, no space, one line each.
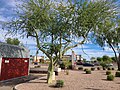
(14,67)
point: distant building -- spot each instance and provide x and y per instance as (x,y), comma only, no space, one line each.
(38,59)
(69,57)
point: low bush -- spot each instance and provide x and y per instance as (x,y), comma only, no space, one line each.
(92,69)
(104,68)
(59,83)
(80,68)
(110,77)
(108,72)
(98,68)
(67,72)
(109,68)
(38,66)
(117,74)
(62,66)
(88,71)
(85,69)
(113,68)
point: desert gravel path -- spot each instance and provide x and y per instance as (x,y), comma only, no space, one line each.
(76,80)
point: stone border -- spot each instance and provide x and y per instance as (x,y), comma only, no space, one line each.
(15,87)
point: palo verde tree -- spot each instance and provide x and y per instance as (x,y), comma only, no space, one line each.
(56,25)
(108,34)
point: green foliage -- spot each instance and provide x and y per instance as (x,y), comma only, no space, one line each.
(108,72)
(80,68)
(66,64)
(117,74)
(103,64)
(62,66)
(13,41)
(110,77)
(107,59)
(67,72)
(92,69)
(88,71)
(99,59)
(59,83)
(113,59)
(85,69)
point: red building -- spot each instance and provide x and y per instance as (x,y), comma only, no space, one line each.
(14,61)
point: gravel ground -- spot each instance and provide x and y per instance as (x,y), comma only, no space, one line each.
(76,80)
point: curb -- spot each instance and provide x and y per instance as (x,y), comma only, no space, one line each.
(15,87)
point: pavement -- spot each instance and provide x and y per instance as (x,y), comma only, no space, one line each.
(6,88)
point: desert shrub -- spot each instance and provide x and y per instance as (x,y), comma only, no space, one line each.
(110,77)
(69,67)
(108,72)
(88,71)
(92,69)
(109,68)
(62,66)
(113,68)
(98,68)
(80,68)
(67,72)
(117,74)
(38,66)
(59,83)
(85,69)
(103,64)
(104,68)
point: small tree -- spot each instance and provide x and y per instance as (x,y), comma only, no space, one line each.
(56,25)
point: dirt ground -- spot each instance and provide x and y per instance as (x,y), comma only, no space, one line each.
(76,80)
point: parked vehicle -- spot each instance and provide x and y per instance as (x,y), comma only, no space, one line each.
(79,63)
(88,64)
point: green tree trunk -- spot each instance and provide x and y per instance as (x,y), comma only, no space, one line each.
(50,72)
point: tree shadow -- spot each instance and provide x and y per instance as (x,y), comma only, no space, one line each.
(36,82)
(15,81)
(104,79)
(118,83)
(93,88)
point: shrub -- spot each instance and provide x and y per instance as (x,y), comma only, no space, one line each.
(108,72)
(80,68)
(85,69)
(62,66)
(88,71)
(110,77)
(113,68)
(92,69)
(108,68)
(67,72)
(59,83)
(117,74)
(98,68)
(103,64)
(38,66)
(69,67)
(104,68)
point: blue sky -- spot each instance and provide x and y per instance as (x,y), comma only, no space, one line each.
(7,12)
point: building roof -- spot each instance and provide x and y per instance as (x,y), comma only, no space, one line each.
(8,50)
